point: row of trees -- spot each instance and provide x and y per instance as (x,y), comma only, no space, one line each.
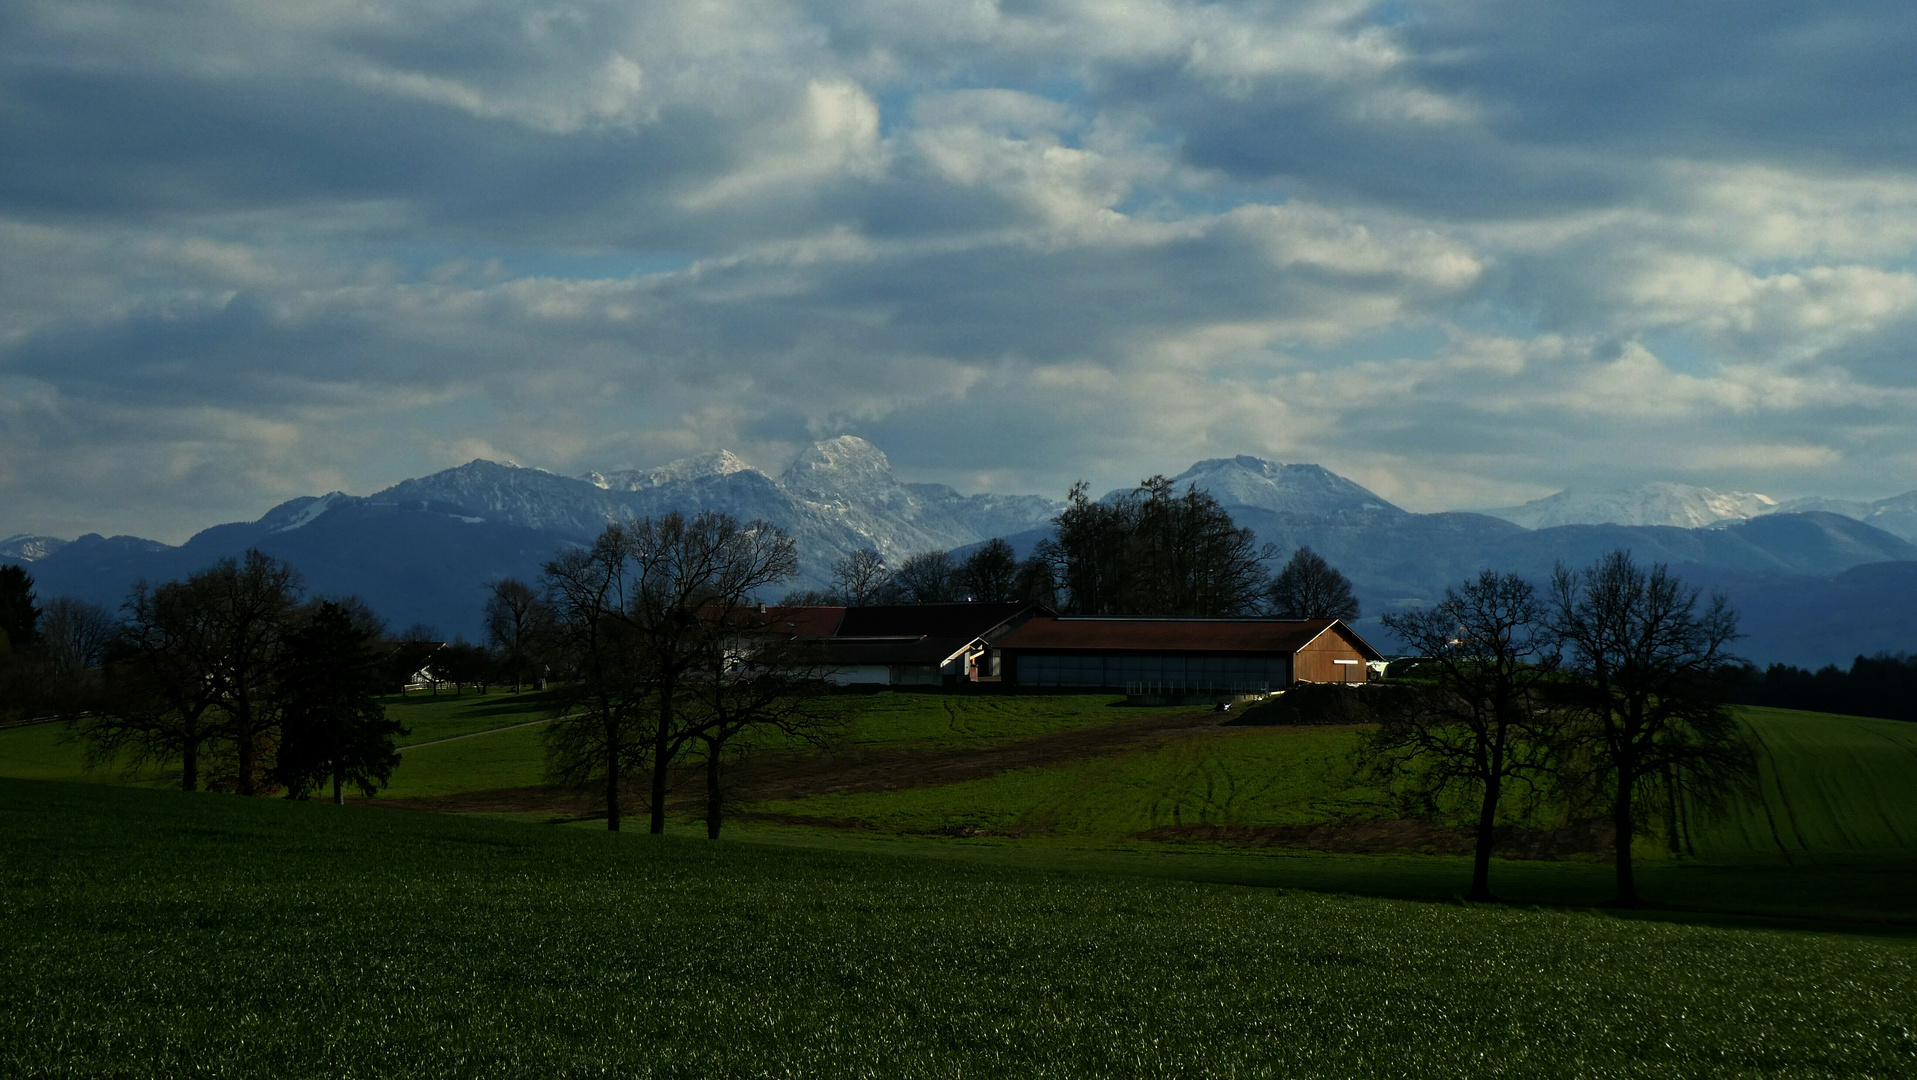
(48,655)
(669,655)
(1151,551)
(1604,689)
(989,574)
(1884,685)
(231,672)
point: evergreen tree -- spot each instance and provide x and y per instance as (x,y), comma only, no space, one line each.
(19,616)
(1153,551)
(333,727)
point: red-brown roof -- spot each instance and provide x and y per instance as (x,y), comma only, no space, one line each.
(1178,635)
(805,622)
(928,620)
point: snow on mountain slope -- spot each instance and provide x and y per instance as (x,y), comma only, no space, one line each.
(300,512)
(489,491)
(1896,515)
(849,483)
(838,496)
(1252,482)
(22,548)
(1662,503)
(717,463)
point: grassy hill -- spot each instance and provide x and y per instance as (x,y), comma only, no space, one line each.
(1833,787)
(157,934)
(1076,781)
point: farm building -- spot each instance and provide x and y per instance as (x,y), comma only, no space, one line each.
(907,644)
(1182,656)
(1028,645)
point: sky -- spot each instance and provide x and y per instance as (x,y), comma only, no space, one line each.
(1466,252)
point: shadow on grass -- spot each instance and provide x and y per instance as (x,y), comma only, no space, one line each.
(497,703)
(1876,897)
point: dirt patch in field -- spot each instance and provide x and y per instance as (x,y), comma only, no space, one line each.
(565,803)
(1372,837)
(781,777)
(794,776)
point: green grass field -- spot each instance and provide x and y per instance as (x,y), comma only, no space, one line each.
(157,934)
(1833,787)
(430,717)
(1241,776)
(1834,836)
(45,752)
(946,721)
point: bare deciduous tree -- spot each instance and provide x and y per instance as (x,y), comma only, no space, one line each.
(926,578)
(860,577)
(1646,657)
(1310,588)
(641,609)
(760,683)
(166,685)
(199,670)
(600,715)
(249,604)
(1479,725)
(517,624)
(990,573)
(1154,551)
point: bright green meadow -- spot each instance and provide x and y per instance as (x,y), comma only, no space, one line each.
(158,934)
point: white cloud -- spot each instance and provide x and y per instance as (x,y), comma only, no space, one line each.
(251,247)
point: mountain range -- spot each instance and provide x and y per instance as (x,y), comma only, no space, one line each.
(1817,580)
(1686,506)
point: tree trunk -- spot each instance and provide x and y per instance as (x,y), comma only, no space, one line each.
(1621,821)
(715,797)
(612,779)
(243,742)
(1481,858)
(661,757)
(190,765)
(339,786)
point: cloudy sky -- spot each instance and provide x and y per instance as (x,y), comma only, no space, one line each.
(1467,252)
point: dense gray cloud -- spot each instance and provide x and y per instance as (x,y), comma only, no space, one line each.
(1465,251)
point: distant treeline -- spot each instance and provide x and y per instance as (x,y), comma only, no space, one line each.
(1884,685)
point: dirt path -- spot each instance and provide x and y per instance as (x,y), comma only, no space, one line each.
(473,734)
(794,776)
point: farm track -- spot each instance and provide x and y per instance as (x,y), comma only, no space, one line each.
(795,776)
(473,734)
(779,777)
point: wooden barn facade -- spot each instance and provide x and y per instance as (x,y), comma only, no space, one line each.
(1221,657)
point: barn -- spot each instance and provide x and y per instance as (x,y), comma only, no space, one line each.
(1216,657)
(906,644)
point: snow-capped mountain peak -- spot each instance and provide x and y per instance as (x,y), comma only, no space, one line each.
(716,464)
(833,469)
(300,512)
(1661,503)
(1246,481)
(25,548)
